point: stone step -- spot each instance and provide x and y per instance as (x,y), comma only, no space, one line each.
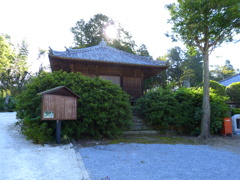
(140,128)
(140,132)
(139,123)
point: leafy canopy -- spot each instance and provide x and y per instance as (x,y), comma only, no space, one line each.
(13,66)
(6,52)
(205,24)
(90,33)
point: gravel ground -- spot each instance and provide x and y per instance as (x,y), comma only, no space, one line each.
(22,160)
(160,161)
(217,158)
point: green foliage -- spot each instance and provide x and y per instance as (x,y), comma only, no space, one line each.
(158,106)
(233,91)
(159,80)
(235,111)
(192,67)
(181,109)
(10,107)
(142,50)
(205,25)
(103,109)
(175,71)
(90,33)
(13,66)
(6,52)
(36,130)
(222,72)
(217,87)
(183,67)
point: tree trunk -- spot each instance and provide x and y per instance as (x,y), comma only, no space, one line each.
(205,123)
(6,102)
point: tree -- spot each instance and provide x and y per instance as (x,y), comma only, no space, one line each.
(6,52)
(90,33)
(41,54)
(13,73)
(174,72)
(192,68)
(159,80)
(205,25)
(142,50)
(222,72)
(183,68)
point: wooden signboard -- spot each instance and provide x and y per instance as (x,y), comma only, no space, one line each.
(56,107)
(58,104)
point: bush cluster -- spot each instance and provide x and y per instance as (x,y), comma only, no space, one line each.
(216,87)
(104,109)
(181,110)
(233,91)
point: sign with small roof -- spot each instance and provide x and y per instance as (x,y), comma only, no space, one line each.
(59,103)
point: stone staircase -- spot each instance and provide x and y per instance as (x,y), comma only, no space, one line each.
(139,125)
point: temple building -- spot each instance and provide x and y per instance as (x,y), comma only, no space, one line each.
(125,69)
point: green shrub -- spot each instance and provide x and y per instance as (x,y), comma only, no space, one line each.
(10,107)
(158,107)
(187,105)
(235,111)
(34,130)
(103,109)
(182,109)
(217,87)
(233,91)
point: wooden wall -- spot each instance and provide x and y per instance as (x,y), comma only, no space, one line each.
(131,76)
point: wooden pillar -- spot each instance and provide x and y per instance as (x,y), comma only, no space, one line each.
(72,67)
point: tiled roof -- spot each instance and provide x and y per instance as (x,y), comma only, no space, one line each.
(230,80)
(104,53)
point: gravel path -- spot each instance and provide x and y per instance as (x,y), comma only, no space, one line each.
(160,161)
(22,160)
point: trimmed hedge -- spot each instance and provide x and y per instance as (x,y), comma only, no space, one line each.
(233,91)
(104,109)
(181,110)
(217,87)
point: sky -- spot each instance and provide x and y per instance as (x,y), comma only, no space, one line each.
(47,23)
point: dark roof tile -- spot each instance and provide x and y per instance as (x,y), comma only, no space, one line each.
(104,53)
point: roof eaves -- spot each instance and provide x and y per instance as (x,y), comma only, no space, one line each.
(229,78)
(102,61)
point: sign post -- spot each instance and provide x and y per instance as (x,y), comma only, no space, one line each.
(58,131)
(58,104)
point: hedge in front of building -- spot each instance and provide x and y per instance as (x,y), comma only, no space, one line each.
(103,109)
(181,110)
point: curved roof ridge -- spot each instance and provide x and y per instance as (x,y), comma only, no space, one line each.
(101,44)
(103,52)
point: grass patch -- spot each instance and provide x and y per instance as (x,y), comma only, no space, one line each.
(152,139)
